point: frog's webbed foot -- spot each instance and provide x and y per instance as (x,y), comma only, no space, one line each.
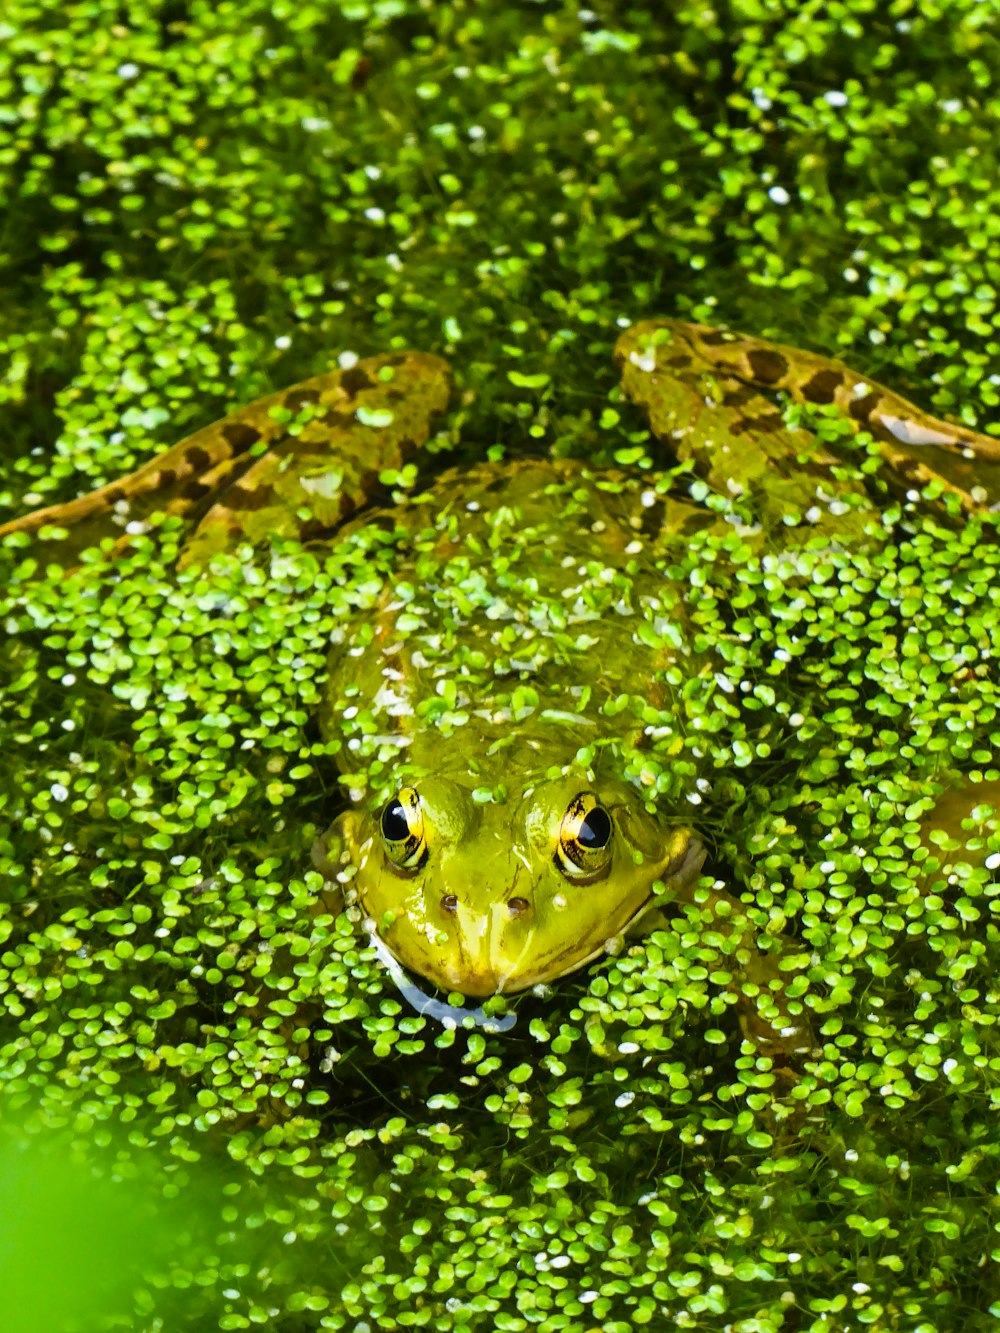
(292,464)
(778,1029)
(706,392)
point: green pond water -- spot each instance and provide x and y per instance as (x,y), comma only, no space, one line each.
(206,205)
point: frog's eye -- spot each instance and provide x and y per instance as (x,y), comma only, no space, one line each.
(584,849)
(402,826)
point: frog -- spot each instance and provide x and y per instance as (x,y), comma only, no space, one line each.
(495,838)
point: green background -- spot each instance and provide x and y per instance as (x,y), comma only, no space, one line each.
(203,203)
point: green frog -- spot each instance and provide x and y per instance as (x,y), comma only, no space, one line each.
(495,703)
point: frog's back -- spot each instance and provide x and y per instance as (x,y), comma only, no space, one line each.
(528,600)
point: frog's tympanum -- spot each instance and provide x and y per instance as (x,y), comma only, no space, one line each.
(495,843)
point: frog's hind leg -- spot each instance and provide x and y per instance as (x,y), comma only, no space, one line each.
(919,448)
(289,464)
(731,431)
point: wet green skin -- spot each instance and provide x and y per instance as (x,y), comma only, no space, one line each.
(545,584)
(516,634)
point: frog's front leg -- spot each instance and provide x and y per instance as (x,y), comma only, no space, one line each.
(291,464)
(759,983)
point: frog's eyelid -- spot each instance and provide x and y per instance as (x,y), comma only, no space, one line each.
(408,865)
(573,873)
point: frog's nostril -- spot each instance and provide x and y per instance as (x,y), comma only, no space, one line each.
(449,902)
(517,906)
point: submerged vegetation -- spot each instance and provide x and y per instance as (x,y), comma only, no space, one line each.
(204,203)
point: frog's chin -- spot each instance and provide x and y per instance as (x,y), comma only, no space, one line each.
(502,976)
(449,1015)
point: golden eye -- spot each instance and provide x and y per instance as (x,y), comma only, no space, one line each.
(584,849)
(402,827)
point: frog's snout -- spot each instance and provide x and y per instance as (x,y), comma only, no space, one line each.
(490,944)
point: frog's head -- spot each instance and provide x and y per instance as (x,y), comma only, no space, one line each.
(487,897)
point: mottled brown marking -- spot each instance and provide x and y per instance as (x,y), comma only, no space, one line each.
(397,359)
(862,408)
(246,498)
(822,387)
(239,436)
(196,458)
(764,423)
(297,398)
(196,489)
(767,365)
(165,478)
(716,337)
(651,519)
(356,380)
(337,420)
(682,360)
(739,396)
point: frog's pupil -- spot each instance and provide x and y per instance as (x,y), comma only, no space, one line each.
(394,825)
(595,830)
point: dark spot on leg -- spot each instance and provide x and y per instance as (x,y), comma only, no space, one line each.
(313,529)
(823,386)
(165,477)
(651,519)
(862,408)
(337,420)
(239,436)
(767,366)
(196,489)
(300,398)
(356,379)
(196,458)
(738,395)
(246,498)
(760,423)
(397,359)
(368,482)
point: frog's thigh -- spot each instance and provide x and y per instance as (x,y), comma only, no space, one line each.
(361,421)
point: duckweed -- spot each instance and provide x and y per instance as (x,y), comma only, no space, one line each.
(208,203)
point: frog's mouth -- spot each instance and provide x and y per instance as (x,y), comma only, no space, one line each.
(448,1015)
(677,873)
